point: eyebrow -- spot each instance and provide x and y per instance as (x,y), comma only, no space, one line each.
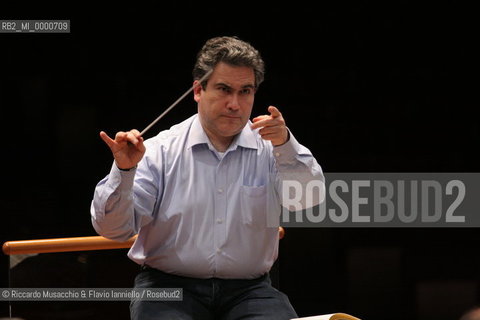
(249,86)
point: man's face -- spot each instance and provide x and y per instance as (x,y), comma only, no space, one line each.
(226,103)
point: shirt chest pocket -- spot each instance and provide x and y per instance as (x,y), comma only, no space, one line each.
(253,203)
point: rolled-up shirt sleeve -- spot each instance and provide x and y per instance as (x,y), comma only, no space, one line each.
(119,208)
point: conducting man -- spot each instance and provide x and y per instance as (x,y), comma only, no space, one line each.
(200,196)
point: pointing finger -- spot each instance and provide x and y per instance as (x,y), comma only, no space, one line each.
(256,119)
(261,121)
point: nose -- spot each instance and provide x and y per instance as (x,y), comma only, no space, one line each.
(233,103)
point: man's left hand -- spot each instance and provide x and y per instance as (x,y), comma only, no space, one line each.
(272,126)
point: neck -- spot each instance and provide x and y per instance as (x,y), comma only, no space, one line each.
(220,144)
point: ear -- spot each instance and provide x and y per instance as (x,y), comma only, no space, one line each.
(197,90)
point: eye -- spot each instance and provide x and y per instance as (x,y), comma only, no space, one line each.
(246,91)
(224,89)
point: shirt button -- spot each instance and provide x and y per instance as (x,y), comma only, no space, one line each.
(277,154)
(220,190)
(219,220)
(218,250)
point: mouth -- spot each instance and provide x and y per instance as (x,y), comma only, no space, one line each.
(231,117)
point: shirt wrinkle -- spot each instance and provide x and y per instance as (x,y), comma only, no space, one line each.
(198,214)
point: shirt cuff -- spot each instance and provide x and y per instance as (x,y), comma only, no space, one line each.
(288,151)
(121,180)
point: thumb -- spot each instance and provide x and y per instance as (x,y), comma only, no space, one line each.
(274,111)
(109,141)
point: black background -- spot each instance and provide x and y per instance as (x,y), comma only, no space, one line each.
(366,86)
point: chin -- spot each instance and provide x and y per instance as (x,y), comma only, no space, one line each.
(230,132)
(232,127)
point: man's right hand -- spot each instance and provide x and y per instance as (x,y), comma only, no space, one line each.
(127,148)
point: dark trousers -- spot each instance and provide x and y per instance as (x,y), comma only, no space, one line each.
(216,299)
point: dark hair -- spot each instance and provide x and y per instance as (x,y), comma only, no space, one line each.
(230,50)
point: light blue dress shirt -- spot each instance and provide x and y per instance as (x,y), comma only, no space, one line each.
(199,213)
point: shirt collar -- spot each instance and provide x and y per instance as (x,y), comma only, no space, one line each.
(246,138)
